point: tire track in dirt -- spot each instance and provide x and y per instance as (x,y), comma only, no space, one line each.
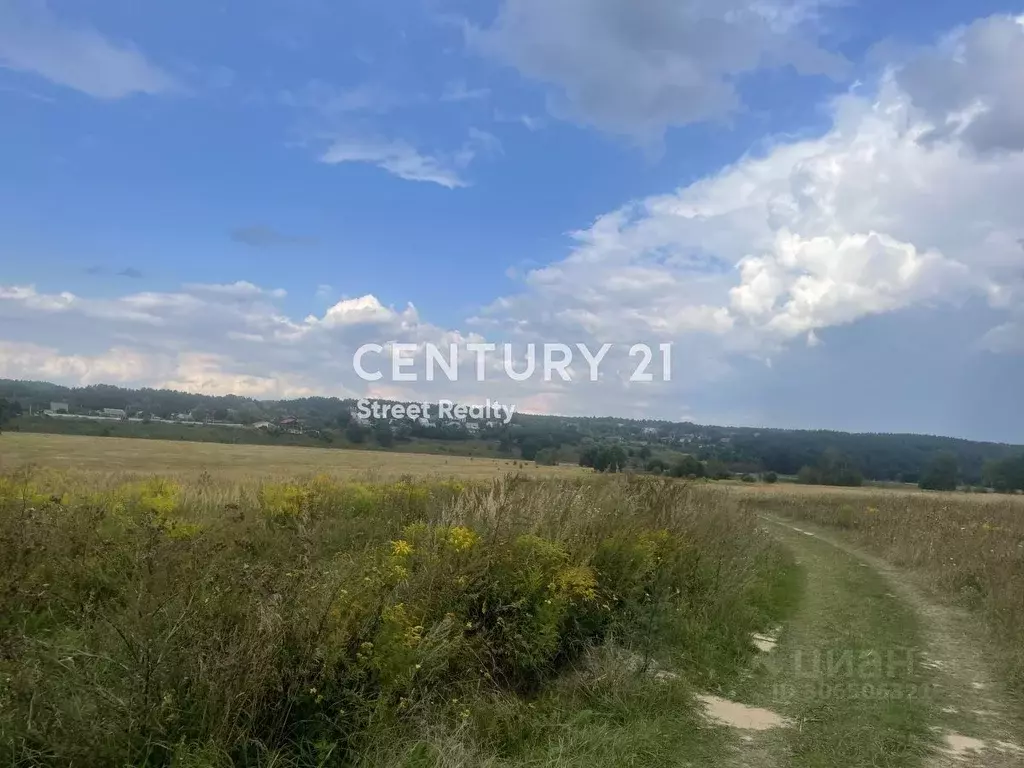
(976,724)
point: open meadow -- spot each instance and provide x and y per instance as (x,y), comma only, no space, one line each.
(202,605)
(239,462)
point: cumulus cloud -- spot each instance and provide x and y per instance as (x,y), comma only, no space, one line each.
(637,68)
(970,85)
(868,219)
(33,361)
(194,340)
(33,39)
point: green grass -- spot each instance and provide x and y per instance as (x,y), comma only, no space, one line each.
(848,670)
(312,622)
(965,549)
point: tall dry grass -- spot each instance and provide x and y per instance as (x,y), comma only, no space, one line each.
(314,622)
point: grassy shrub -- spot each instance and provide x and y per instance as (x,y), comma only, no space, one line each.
(314,622)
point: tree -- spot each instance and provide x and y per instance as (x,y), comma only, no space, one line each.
(770,478)
(383,435)
(603,458)
(1006,475)
(588,456)
(9,409)
(355,433)
(717,470)
(942,474)
(547,457)
(689,466)
(809,475)
(655,466)
(833,468)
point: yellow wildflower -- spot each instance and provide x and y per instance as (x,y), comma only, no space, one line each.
(461,538)
(401,548)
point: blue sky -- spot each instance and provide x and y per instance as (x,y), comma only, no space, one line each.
(811,199)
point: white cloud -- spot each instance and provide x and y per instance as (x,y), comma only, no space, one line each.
(970,85)
(361,311)
(333,101)
(401,159)
(196,341)
(636,68)
(33,40)
(457,90)
(397,158)
(529,122)
(868,219)
(26,360)
(212,374)
(241,289)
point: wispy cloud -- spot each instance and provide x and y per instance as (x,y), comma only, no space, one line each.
(259,236)
(331,100)
(529,122)
(33,39)
(97,270)
(398,158)
(25,93)
(240,289)
(403,160)
(457,90)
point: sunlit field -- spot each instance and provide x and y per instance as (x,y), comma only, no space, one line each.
(184,604)
(238,462)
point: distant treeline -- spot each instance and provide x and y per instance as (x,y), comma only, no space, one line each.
(604,443)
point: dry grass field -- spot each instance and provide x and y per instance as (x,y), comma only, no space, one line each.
(205,605)
(241,462)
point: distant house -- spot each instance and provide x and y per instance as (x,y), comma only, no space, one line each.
(262,425)
(59,408)
(423,421)
(472,428)
(289,422)
(116,413)
(650,430)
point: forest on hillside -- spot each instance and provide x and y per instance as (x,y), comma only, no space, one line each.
(644,443)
